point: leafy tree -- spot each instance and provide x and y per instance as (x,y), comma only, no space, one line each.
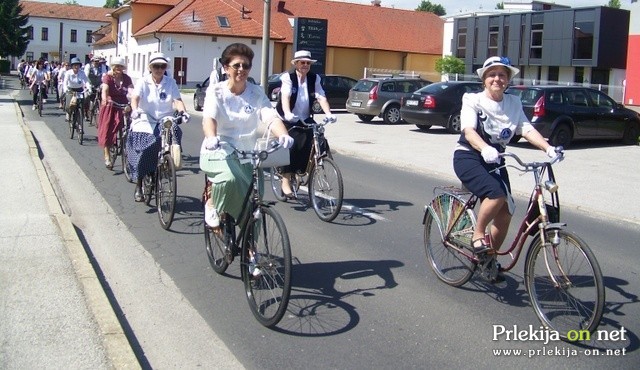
(450,64)
(614,4)
(500,5)
(112,4)
(71,2)
(14,35)
(426,6)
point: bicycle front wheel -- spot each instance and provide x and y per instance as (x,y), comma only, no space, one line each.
(40,104)
(79,125)
(266,266)
(124,156)
(72,124)
(166,191)
(326,190)
(449,265)
(564,281)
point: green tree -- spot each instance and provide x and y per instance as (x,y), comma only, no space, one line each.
(71,2)
(14,35)
(112,4)
(500,6)
(614,4)
(449,64)
(426,6)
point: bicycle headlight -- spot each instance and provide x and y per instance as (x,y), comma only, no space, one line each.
(550,186)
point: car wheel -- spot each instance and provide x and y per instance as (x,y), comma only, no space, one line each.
(391,115)
(365,117)
(454,124)
(196,106)
(631,134)
(316,108)
(423,127)
(561,136)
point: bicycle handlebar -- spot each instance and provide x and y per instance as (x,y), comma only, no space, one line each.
(532,165)
(258,154)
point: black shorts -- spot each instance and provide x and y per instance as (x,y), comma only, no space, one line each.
(474,173)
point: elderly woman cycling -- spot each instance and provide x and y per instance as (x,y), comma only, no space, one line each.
(153,98)
(232,112)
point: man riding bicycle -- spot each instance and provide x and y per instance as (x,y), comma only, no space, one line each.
(94,72)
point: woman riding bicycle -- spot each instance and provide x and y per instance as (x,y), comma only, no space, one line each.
(74,81)
(38,77)
(232,113)
(299,90)
(115,87)
(154,97)
(489,119)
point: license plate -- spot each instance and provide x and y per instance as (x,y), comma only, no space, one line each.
(356,103)
(412,103)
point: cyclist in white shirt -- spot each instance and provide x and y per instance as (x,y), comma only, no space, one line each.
(74,81)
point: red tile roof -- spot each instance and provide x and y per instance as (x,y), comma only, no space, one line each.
(350,25)
(200,17)
(61,11)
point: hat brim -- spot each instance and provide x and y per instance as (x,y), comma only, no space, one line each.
(158,61)
(293,61)
(514,71)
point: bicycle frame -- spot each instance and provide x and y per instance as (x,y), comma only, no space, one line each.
(536,216)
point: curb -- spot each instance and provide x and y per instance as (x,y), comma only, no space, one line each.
(116,344)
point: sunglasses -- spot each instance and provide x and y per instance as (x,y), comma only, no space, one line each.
(159,66)
(237,66)
(304,62)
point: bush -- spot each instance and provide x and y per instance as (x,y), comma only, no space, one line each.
(5,66)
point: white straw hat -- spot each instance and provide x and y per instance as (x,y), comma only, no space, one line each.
(497,61)
(302,55)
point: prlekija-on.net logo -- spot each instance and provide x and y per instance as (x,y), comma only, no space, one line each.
(541,334)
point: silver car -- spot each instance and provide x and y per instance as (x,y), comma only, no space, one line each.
(381,97)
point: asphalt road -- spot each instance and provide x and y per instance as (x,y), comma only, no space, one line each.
(363,295)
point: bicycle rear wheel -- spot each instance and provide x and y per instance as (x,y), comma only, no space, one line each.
(166,191)
(564,281)
(276,184)
(266,266)
(216,248)
(326,189)
(93,113)
(449,265)
(148,187)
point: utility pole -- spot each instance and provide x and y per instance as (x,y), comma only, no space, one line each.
(266,29)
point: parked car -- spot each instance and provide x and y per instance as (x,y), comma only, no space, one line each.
(567,113)
(373,97)
(336,89)
(274,83)
(437,104)
(201,93)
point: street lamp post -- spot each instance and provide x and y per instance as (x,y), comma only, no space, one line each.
(266,27)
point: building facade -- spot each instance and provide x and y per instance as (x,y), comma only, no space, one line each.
(565,46)
(632,83)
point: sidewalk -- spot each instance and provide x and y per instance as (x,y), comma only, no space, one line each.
(54,312)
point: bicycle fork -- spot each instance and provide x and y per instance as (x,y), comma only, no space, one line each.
(551,248)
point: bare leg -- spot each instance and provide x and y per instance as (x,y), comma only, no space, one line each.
(495,210)
(286,183)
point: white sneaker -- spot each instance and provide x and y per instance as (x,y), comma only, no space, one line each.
(44,101)
(211,216)
(34,107)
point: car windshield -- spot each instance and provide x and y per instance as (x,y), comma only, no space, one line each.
(365,85)
(433,88)
(527,96)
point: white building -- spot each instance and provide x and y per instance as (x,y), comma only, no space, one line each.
(61,32)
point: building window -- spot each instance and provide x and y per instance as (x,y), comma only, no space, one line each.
(461,47)
(475,43)
(583,40)
(493,41)
(505,40)
(74,35)
(536,41)
(223,21)
(554,73)
(523,32)
(44,35)
(30,32)
(578,75)
(29,56)
(44,56)
(89,38)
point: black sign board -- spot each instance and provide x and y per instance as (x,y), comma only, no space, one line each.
(311,34)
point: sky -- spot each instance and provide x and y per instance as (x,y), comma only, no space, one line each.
(452,7)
